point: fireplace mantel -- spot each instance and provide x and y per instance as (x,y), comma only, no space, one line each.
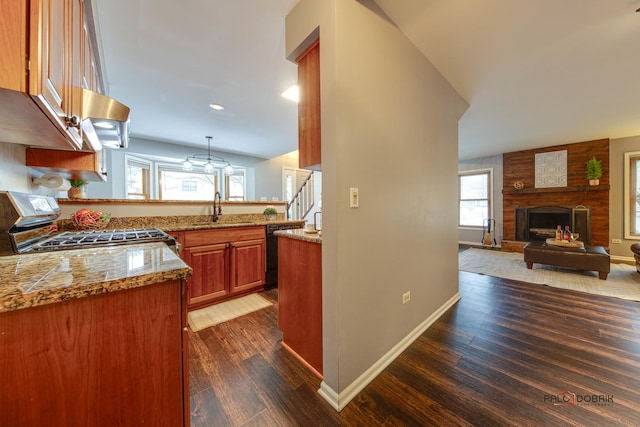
(581,188)
(520,166)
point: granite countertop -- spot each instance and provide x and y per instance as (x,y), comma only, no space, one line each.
(209,225)
(185,222)
(300,234)
(31,280)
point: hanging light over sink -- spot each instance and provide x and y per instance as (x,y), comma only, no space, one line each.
(208,161)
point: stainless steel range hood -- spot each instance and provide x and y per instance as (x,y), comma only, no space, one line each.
(103,120)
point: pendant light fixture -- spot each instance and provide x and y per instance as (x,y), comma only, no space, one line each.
(207,161)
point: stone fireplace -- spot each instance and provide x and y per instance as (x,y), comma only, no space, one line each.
(540,222)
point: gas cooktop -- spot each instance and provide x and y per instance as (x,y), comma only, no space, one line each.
(96,238)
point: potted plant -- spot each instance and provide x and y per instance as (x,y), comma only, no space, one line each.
(77,188)
(594,171)
(270,213)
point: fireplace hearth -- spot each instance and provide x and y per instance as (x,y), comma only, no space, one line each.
(540,222)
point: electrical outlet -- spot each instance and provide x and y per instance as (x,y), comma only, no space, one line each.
(354,200)
(616,241)
(406,297)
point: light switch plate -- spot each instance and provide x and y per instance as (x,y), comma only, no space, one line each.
(354,200)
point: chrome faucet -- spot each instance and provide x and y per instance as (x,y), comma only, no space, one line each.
(217,211)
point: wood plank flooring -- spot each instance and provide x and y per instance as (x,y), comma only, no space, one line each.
(501,356)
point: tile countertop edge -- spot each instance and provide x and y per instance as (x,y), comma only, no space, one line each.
(25,289)
(300,234)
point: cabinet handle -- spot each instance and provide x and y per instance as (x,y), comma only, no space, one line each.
(72,121)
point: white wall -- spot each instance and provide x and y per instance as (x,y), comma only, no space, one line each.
(474,236)
(263,176)
(13,172)
(389,127)
(269,173)
(15,176)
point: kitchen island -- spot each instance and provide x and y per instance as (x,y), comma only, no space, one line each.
(94,337)
(300,296)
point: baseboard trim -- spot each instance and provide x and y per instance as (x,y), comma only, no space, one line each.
(476,244)
(623,259)
(340,400)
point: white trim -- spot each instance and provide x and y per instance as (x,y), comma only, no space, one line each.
(479,245)
(340,400)
(624,259)
(627,195)
(142,161)
(490,195)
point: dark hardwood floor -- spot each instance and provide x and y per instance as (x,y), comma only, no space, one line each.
(503,355)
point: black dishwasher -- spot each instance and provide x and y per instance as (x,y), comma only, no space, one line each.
(271,280)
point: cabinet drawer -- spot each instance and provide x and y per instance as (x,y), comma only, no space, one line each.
(222,235)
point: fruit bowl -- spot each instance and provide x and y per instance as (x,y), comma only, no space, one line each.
(87,219)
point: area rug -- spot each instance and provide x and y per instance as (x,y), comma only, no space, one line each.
(225,311)
(622,282)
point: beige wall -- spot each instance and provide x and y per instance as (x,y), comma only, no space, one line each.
(389,127)
(617,148)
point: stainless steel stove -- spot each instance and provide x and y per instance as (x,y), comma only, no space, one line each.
(27,226)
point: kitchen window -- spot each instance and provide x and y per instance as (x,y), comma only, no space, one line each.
(234,186)
(138,176)
(631,193)
(177,184)
(474,192)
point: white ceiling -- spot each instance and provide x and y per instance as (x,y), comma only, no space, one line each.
(535,73)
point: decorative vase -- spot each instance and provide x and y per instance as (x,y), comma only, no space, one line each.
(594,182)
(271,217)
(76,193)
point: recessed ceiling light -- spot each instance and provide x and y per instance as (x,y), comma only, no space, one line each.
(293,93)
(216,107)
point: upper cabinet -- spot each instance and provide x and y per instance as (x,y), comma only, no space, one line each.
(52,24)
(309,147)
(47,52)
(87,165)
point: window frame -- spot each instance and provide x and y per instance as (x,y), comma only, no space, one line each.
(489,199)
(147,166)
(237,172)
(178,168)
(630,201)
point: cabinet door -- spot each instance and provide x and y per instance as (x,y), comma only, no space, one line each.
(309,108)
(51,58)
(247,264)
(210,273)
(13,45)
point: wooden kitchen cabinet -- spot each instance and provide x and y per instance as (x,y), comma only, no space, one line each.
(309,136)
(300,300)
(210,279)
(118,358)
(226,262)
(87,165)
(47,51)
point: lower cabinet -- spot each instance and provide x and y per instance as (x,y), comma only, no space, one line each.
(225,262)
(116,359)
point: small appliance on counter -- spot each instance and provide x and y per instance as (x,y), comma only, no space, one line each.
(27,225)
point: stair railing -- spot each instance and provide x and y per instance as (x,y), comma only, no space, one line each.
(303,201)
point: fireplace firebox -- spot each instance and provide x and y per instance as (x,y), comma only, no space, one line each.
(540,222)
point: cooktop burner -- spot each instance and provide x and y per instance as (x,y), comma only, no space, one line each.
(94,238)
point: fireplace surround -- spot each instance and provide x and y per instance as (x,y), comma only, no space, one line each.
(540,222)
